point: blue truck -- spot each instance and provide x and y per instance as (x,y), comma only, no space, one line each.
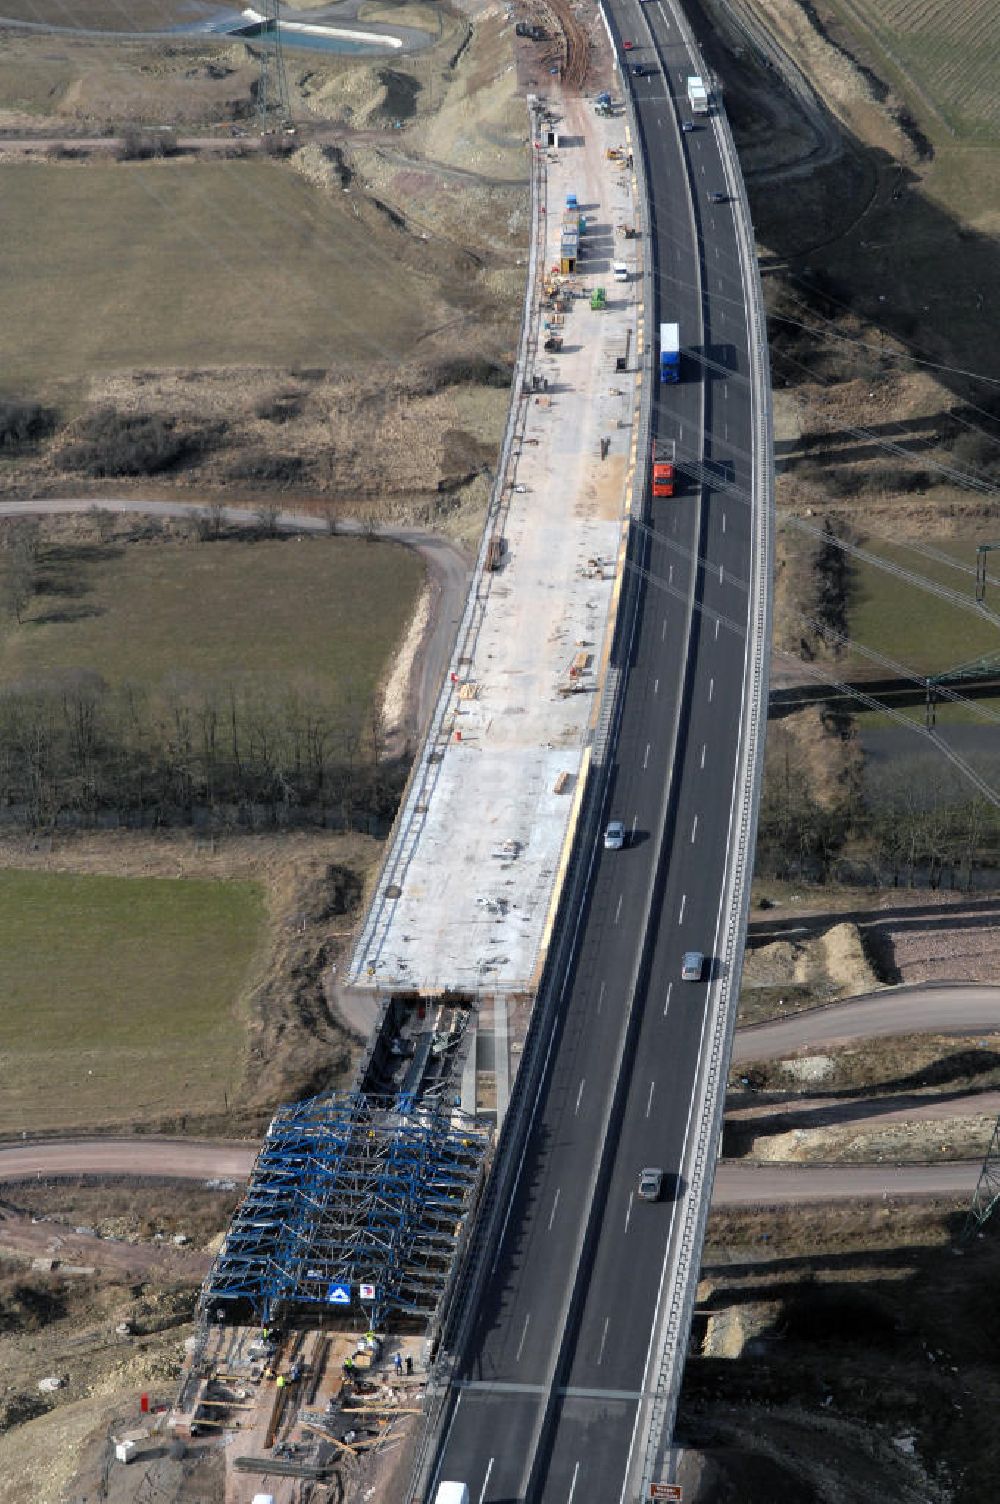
(670,352)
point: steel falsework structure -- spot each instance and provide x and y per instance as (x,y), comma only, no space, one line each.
(347,1190)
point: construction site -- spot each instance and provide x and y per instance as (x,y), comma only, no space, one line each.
(319,1321)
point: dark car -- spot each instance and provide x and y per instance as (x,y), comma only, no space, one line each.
(718,198)
(641,69)
(689,125)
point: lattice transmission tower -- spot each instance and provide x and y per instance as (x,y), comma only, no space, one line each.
(987,1192)
(272,89)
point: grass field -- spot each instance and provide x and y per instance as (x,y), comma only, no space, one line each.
(910,624)
(114,266)
(319,616)
(120,995)
(946,49)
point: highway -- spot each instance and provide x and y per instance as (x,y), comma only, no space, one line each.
(546,1400)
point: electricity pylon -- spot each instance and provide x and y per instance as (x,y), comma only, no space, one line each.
(272,89)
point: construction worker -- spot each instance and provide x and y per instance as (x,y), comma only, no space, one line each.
(397,1362)
(281,1381)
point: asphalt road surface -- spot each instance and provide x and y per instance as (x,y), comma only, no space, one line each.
(735,1184)
(546,1401)
(939,1008)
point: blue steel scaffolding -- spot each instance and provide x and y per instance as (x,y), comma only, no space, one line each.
(354,1204)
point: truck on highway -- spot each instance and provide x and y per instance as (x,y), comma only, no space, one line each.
(663,467)
(670,352)
(452,1493)
(697,95)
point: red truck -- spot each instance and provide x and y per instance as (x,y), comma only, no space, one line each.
(663,467)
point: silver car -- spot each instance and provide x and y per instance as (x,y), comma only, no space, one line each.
(614,836)
(650,1185)
(692,966)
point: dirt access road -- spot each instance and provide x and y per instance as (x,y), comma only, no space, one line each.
(938,1009)
(448,570)
(735,1184)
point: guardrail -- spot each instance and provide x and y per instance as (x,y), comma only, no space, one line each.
(713,1069)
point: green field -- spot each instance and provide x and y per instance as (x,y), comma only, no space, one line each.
(120,996)
(114,266)
(316,616)
(943,50)
(919,629)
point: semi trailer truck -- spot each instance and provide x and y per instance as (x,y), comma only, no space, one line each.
(697,95)
(670,352)
(663,467)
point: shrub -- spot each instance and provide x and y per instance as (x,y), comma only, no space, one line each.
(24,423)
(261,465)
(113,443)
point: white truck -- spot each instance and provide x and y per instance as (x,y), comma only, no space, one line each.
(452,1493)
(697,95)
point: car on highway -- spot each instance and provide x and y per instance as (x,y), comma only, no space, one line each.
(650,1184)
(627,46)
(692,966)
(614,836)
(689,125)
(716,197)
(641,69)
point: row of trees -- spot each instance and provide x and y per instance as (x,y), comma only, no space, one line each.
(79,750)
(910,826)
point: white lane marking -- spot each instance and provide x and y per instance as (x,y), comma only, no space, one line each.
(629,1212)
(701,169)
(704,745)
(520,1345)
(635,819)
(694,830)
(486,1480)
(552,1214)
(618,911)
(722,576)
(664,632)
(723,527)
(649,1101)
(600,1000)
(670,575)
(583,1080)
(604,1338)
(645,760)
(725,430)
(711,688)
(680,917)
(572,1487)
(656,686)
(666,1005)
(717,625)
(725,392)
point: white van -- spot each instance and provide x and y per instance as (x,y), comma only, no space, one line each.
(620,271)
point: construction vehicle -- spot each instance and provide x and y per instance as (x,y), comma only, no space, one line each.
(664,452)
(598,301)
(697,95)
(670,353)
(553,344)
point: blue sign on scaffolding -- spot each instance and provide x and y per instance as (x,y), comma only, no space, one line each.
(339,1295)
